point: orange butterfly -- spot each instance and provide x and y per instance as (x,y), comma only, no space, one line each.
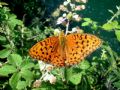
(65,50)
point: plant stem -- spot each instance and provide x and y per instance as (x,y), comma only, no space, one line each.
(115,15)
(7,34)
(22,37)
(67,27)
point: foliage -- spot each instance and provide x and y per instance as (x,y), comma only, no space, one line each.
(19,72)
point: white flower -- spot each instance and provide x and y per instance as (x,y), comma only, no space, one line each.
(82,6)
(41,65)
(60,20)
(51,78)
(76,17)
(64,15)
(37,83)
(74,29)
(65,3)
(63,8)
(72,5)
(49,68)
(69,0)
(84,1)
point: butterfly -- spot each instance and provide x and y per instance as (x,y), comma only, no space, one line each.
(65,50)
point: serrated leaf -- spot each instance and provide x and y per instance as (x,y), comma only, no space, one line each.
(15,59)
(110,26)
(27,65)
(117,33)
(14,80)
(84,65)
(76,78)
(12,21)
(107,26)
(69,73)
(21,85)
(26,74)
(7,69)
(5,53)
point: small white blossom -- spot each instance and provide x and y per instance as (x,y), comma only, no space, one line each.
(37,83)
(57,31)
(82,6)
(51,78)
(78,7)
(72,6)
(74,29)
(65,3)
(75,16)
(49,68)
(64,15)
(41,65)
(60,20)
(84,1)
(63,8)
(69,0)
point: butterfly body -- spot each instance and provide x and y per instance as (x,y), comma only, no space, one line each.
(65,50)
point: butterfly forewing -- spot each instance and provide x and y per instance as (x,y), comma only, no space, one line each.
(78,46)
(48,50)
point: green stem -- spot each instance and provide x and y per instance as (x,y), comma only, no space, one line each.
(7,34)
(115,15)
(67,27)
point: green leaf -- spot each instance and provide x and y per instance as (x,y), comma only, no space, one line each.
(5,53)
(69,73)
(27,65)
(13,81)
(76,78)
(12,21)
(7,46)
(84,65)
(47,88)
(117,33)
(110,26)
(2,38)
(107,26)
(15,59)
(7,69)
(85,24)
(87,19)
(117,84)
(26,74)
(21,85)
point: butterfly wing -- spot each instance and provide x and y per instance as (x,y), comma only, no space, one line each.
(48,51)
(78,46)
